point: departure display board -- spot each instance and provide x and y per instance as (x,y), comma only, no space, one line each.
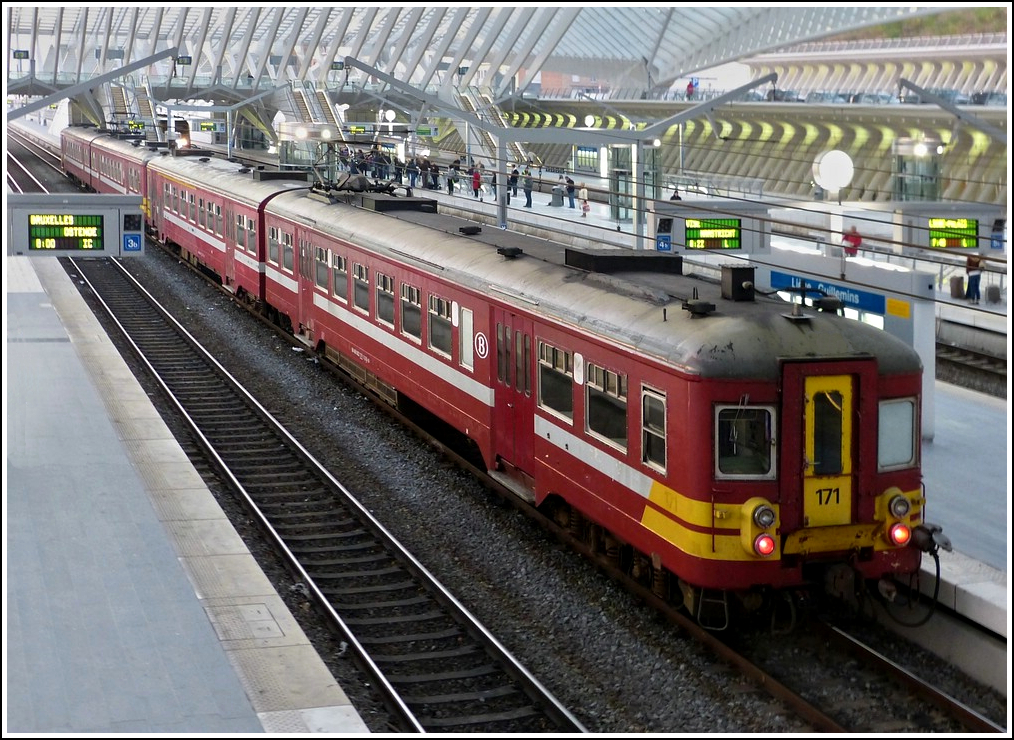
(953,232)
(64,231)
(713,233)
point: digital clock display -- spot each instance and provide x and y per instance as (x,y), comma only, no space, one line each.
(208,125)
(953,232)
(713,233)
(64,231)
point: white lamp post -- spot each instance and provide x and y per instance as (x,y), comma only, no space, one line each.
(832,171)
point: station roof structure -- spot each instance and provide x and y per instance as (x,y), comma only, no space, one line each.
(501,47)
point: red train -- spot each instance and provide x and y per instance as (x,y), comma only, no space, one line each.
(714,441)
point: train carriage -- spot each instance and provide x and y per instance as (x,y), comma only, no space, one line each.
(404,331)
(726,438)
(105,163)
(213,213)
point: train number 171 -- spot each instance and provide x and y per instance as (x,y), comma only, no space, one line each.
(827,496)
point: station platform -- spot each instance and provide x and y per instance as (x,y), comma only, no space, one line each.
(131,604)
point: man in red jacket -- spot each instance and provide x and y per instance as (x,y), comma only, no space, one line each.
(851,242)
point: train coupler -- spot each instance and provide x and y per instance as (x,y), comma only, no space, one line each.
(930,538)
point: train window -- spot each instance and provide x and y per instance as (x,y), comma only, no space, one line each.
(411,312)
(440,325)
(502,350)
(653,428)
(286,250)
(200,211)
(897,434)
(519,360)
(321,268)
(273,244)
(361,287)
(218,221)
(745,442)
(240,227)
(528,365)
(556,380)
(465,338)
(506,351)
(606,402)
(339,277)
(305,256)
(193,208)
(385,299)
(827,433)
(251,236)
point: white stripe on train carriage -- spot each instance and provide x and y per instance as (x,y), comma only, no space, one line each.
(211,240)
(408,350)
(592,457)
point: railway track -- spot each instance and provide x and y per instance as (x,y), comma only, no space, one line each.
(438,668)
(969,368)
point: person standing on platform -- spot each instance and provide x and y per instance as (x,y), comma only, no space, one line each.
(851,241)
(675,195)
(452,176)
(527,185)
(690,90)
(973,268)
(571,191)
(514,181)
(583,197)
(476,181)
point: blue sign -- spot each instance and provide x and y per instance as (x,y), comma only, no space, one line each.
(858,299)
(663,242)
(131,242)
(996,240)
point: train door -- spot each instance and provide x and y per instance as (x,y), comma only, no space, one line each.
(304,279)
(232,235)
(514,393)
(828,446)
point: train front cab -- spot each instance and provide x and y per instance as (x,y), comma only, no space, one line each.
(849,468)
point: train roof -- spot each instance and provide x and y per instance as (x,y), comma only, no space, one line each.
(631,300)
(236,180)
(131,147)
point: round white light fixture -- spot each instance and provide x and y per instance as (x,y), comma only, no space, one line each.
(301,133)
(589,120)
(656,143)
(833,170)
(389,115)
(325,133)
(919,150)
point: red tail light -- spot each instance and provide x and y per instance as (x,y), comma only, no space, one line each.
(900,534)
(764,545)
